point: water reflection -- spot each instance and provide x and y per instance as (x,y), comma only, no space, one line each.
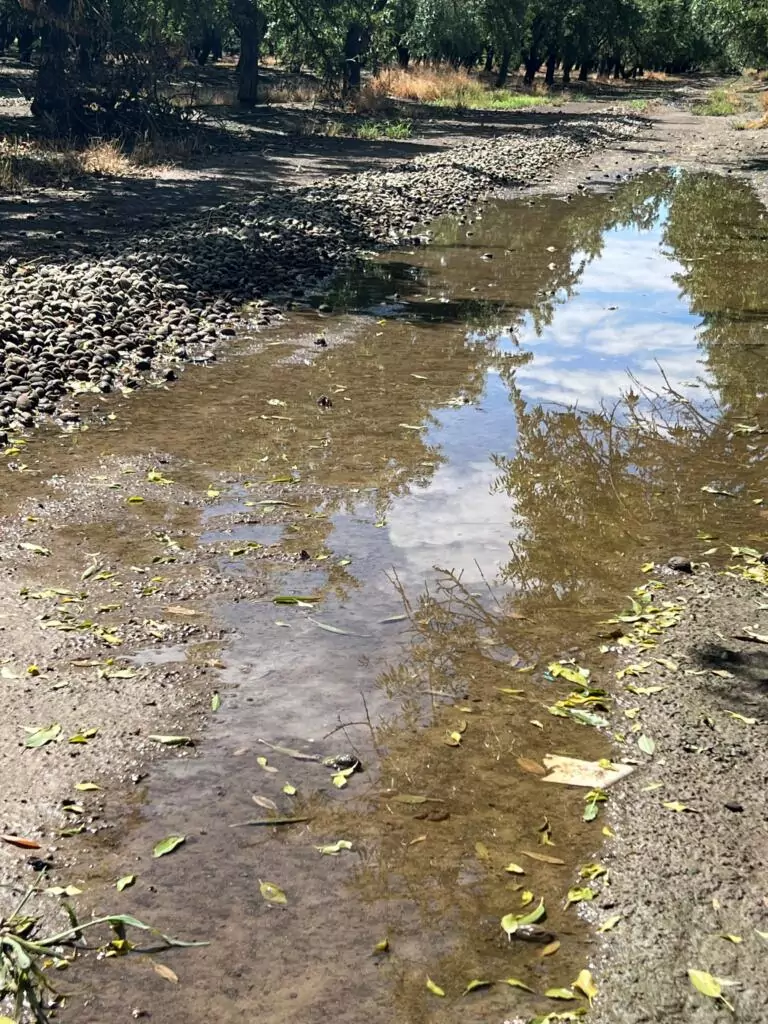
(450,443)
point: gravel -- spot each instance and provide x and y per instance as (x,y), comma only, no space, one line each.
(138,311)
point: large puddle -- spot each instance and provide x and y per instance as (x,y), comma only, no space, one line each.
(521,414)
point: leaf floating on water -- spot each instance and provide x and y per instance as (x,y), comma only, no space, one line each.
(263,763)
(675,805)
(511,922)
(293,599)
(610,923)
(334,849)
(735,939)
(433,988)
(339,780)
(646,744)
(272,893)
(550,948)
(531,766)
(289,790)
(63,890)
(40,737)
(215,700)
(585,984)
(559,993)
(482,851)
(172,741)
(516,983)
(335,629)
(264,801)
(166,972)
(166,846)
(514,869)
(543,857)
(526,898)
(410,798)
(475,984)
(715,490)
(579,894)
(411,426)
(453,739)
(382,946)
(125,882)
(86,787)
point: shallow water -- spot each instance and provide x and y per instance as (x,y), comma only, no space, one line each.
(522,414)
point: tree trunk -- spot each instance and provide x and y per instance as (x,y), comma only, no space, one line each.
(26,42)
(53,85)
(403,56)
(353,47)
(488,60)
(567,72)
(249,22)
(584,71)
(549,78)
(532,65)
(506,57)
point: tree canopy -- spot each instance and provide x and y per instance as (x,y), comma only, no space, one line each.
(121,48)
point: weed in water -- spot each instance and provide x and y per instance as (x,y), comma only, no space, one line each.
(23,957)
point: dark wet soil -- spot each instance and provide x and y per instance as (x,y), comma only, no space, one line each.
(462,485)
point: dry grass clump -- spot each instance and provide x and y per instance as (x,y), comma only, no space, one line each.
(444,87)
(32,163)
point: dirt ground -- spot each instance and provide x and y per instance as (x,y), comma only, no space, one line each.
(84,609)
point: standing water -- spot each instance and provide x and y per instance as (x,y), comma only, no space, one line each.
(459,489)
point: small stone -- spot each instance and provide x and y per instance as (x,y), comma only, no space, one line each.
(734,805)
(321,342)
(680,564)
(324,402)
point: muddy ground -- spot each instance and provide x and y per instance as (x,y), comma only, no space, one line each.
(112,585)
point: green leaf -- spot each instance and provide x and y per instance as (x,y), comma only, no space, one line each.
(705,983)
(609,923)
(172,741)
(168,845)
(514,869)
(585,984)
(646,744)
(742,718)
(125,882)
(86,787)
(675,805)
(291,599)
(475,984)
(272,893)
(434,989)
(559,993)
(516,983)
(382,946)
(579,895)
(263,763)
(735,939)
(215,701)
(63,890)
(335,848)
(39,737)
(289,790)
(511,922)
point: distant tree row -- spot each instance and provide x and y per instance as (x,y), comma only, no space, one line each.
(112,52)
